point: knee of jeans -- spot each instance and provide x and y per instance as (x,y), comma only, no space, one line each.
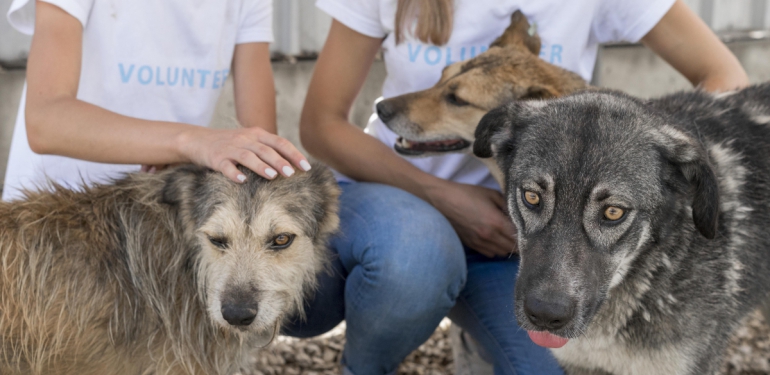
(426,268)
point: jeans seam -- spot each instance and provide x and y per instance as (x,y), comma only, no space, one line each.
(460,299)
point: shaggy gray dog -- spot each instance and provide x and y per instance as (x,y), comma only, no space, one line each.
(177,273)
(642,225)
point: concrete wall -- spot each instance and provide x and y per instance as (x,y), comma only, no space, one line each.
(630,68)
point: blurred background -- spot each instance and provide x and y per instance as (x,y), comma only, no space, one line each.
(300,30)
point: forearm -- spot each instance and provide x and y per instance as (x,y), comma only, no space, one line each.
(254,86)
(362,157)
(70,127)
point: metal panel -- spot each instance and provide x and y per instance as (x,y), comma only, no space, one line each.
(14,46)
(300,28)
(732,15)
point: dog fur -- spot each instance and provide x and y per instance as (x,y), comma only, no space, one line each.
(660,290)
(136,277)
(443,118)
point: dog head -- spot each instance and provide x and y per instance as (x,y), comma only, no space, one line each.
(592,181)
(260,244)
(443,118)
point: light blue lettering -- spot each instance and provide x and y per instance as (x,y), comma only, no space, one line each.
(176,76)
(203,73)
(125,76)
(430,61)
(449,56)
(147,69)
(483,49)
(462,54)
(217,79)
(556,53)
(473,51)
(225,73)
(188,76)
(413,54)
(157,77)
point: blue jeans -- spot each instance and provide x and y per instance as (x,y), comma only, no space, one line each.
(399,269)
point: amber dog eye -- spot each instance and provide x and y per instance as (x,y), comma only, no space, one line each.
(282,241)
(531,199)
(614,213)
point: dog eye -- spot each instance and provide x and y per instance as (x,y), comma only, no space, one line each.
(219,242)
(282,241)
(452,99)
(613,213)
(530,199)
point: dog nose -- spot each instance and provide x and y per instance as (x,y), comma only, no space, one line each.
(239,315)
(548,314)
(385,111)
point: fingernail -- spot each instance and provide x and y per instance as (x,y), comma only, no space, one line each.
(305,165)
(288,171)
(152,170)
(270,172)
(241,178)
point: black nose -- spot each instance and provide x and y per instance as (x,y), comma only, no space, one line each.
(552,313)
(239,315)
(386,111)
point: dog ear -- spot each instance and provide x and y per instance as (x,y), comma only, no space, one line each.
(520,32)
(492,124)
(692,160)
(326,213)
(540,92)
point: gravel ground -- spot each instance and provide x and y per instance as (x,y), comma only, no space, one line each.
(749,354)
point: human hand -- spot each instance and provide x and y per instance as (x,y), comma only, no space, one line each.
(478,216)
(254,148)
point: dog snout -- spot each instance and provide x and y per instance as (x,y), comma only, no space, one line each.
(240,315)
(549,313)
(386,111)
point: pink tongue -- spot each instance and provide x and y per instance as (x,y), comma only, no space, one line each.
(547,340)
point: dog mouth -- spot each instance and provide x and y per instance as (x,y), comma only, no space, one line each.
(547,339)
(410,148)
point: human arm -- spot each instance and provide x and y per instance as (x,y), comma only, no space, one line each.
(58,123)
(475,212)
(686,42)
(254,86)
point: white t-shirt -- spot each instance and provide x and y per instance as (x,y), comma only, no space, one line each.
(570,30)
(163,60)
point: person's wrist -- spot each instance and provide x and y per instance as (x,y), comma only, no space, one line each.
(184,143)
(434,190)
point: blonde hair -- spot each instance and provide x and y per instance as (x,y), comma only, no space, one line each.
(434,20)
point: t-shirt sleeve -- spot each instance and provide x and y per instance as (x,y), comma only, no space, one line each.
(256,22)
(628,20)
(362,16)
(21,15)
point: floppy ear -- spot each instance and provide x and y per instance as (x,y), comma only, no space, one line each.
(692,160)
(520,32)
(494,122)
(327,212)
(540,92)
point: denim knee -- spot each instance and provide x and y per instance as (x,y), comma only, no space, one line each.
(413,254)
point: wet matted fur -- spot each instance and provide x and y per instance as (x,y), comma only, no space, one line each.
(182,272)
(443,118)
(658,287)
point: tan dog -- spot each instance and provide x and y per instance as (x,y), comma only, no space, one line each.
(444,118)
(183,272)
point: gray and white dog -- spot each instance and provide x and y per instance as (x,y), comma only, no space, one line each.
(183,272)
(643,226)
